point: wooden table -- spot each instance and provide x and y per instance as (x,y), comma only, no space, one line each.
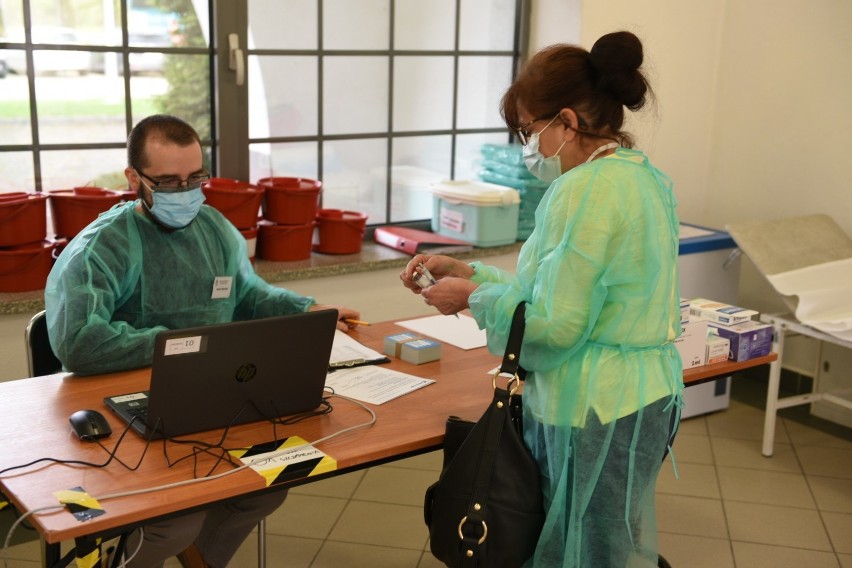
(34,424)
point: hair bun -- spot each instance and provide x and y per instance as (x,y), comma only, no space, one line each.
(615,59)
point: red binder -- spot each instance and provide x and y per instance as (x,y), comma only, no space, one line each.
(414,241)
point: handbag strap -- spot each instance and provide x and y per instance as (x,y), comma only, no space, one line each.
(512,356)
(473,529)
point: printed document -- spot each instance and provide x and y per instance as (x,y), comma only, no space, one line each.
(373,384)
(346,352)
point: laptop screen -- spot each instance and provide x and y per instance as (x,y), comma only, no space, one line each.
(213,376)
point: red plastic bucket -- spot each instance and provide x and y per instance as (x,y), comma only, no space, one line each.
(250,236)
(73,209)
(23,218)
(25,267)
(238,201)
(289,200)
(340,232)
(285,242)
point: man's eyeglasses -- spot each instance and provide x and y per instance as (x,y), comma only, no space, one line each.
(523,130)
(174,184)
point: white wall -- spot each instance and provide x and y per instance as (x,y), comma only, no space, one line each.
(752,98)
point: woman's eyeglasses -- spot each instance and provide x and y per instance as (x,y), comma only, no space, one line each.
(174,184)
(524,130)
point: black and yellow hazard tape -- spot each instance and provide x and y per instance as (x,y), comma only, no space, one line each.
(82,505)
(304,462)
(87,552)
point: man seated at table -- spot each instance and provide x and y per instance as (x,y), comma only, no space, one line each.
(150,265)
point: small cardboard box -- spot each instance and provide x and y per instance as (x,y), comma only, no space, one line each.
(684,310)
(727,314)
(717,349)
(393,343)
(691,343)
(749,339)
(481,213)
(420,351)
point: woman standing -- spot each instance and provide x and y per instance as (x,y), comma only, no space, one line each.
(599,273)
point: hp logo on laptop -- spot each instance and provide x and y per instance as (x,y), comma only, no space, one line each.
(245,372)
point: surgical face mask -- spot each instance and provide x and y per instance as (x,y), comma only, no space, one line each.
(177,210)
(545,169)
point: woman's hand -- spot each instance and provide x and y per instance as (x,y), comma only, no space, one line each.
(439,266)
(450,295)
(343,314)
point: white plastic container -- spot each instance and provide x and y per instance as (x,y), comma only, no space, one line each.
(481,213)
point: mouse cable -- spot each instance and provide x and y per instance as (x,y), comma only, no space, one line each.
(245,465)
(109,460)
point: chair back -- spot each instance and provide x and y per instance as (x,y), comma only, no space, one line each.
(40,357)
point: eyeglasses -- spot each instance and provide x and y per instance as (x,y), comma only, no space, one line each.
(174,184)
(523,130)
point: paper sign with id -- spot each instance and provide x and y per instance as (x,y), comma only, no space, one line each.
(293,458)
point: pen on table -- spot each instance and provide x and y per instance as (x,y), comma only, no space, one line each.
(355,322)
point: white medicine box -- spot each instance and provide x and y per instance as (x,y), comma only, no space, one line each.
(691,343)
(481,213)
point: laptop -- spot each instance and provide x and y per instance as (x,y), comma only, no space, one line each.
(213,376)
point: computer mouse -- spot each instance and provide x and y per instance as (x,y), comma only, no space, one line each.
(90,425)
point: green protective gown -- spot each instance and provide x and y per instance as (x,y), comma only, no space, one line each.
(603,395)
(123,279)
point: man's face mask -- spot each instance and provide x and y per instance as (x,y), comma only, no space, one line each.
(177,210)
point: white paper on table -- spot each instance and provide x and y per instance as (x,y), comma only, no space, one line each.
(373,384)
(462,331)
(825,295)
(347,352)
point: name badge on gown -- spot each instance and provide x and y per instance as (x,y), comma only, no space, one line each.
(222,287)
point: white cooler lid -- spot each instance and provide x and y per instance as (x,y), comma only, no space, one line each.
(476,192)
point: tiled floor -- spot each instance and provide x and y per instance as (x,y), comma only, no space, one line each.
(730,507)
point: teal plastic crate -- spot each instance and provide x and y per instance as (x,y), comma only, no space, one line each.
(484,214)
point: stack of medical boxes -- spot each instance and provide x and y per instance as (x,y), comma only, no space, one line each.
(412,348)
(503,164)
(747,338)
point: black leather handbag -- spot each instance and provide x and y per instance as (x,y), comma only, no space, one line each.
(486,509)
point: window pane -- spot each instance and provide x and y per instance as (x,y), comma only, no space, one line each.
(363,28)
(283,96)
(293,27)
(487,25)
(469,153)
(425,25)
(65,169)
(422,93)
(186,23)
(482,82)
(188,91)
(299,159)
(80,109)
(355,95)
(17,168)
(61,62)
(352,177)
(15,110)
(146,93)
(153,26)
(418,163)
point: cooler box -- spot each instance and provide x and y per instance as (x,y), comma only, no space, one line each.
(481,213)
